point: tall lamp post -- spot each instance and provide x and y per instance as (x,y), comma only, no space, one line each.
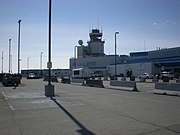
(28,62)
(19,46)
(41,63)
(2,61)
(49,89)
(9,55)
(75,57)
(28,65)
(11,63)
(115,55)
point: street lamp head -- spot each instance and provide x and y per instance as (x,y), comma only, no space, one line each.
(116,32)
(19,21)
(9,39)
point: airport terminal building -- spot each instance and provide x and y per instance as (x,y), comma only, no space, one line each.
(151,62)
(92,56)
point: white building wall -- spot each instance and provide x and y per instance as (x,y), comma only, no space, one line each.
(141,68)
(136,68)
(80,51)
(95,62)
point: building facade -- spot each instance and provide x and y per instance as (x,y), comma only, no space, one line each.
(150,62)
(92,56)
(44,72)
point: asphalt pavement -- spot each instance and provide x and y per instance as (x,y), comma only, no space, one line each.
(82,110)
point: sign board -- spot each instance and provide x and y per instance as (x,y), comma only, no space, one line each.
(49,64)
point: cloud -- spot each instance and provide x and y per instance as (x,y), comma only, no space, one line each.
(165,23)
(155,23)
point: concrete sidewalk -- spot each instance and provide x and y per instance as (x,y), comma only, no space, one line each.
(80,110)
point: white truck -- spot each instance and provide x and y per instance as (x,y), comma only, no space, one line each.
(82,73)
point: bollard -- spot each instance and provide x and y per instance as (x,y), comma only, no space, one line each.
(53,79)
(155,80)
(142,79)
(66,80)
(94,83)
(105,78)
(77,81)
(167,88)
(123,79)
(165,79)
(178,81)
(132,78)
(123,85)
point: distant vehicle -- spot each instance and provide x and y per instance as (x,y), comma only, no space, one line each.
(11,80)
(32,76)
(170,75)
(146,76)
(1,76)
(83,73)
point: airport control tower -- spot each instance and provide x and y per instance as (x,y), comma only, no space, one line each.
(95,45)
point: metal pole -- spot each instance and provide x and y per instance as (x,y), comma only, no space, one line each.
(28,62)
(49,89)
(115,53)
(41,62)
(19,46)
(2,61)
(49,65)
(75,56)
(9,55)
(11,63)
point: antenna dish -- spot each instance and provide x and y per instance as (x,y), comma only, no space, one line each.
(80,42)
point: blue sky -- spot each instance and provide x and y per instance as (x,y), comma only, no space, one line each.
(142,24)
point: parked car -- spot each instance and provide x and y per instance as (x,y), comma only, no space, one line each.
(33,76)
(170,75)
(11,80)
(1,76)
(146,76)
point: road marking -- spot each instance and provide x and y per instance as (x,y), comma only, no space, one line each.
(5,97)
(18,102)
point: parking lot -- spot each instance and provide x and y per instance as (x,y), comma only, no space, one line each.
(82,110)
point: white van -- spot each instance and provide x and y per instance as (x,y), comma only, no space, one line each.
(83,73)
(170,75)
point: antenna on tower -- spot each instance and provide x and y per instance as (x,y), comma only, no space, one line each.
(2,61)
(101,29)
(98,23)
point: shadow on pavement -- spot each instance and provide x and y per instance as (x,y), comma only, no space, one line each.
(83,130)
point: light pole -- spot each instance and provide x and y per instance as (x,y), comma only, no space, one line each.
(9,55)
(49,63)
(11,63)
(41,63)
(49,89)
(115,53)
(19,46)
(28,62)
(2,61)
(75,55)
